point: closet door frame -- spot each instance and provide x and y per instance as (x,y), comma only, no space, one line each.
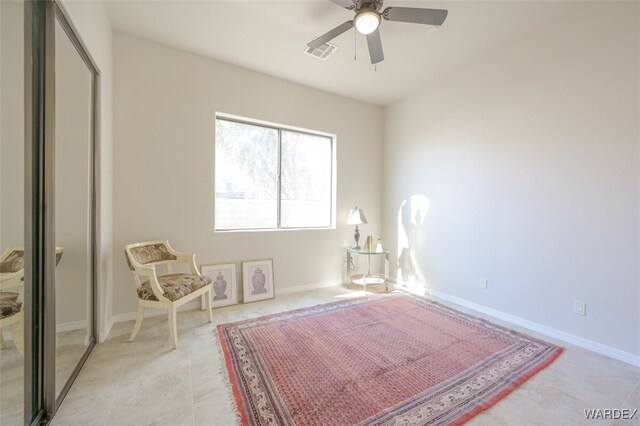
(40,401)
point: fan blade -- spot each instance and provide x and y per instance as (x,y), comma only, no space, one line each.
(375,47)
(324,38)
(347,4)
(415,15)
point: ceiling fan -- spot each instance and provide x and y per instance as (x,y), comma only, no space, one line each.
(369,14)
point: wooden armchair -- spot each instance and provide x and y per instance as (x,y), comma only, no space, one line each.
(11,302)
(168,291)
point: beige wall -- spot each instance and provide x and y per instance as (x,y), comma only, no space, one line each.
(92,22)
(165,104)
(529,163)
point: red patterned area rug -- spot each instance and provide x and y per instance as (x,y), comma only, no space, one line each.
(379,360)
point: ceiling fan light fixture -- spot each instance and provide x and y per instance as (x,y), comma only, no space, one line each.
(367,21)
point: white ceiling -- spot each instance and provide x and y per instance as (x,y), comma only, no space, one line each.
(271,36)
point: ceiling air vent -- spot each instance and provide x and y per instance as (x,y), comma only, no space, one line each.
(323,51)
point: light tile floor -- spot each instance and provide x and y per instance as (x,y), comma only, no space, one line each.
(147,383)
(70,346)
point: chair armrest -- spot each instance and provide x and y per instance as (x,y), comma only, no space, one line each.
(150,271)
(21,298)
(188,259)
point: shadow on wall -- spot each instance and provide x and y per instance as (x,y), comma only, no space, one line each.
(411,216)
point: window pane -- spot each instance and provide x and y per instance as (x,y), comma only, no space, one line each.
(306,180)
(246,176)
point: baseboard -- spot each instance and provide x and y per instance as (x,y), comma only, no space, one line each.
(70,326)
(600,348)
(102,336)
(307,287)
(60,328)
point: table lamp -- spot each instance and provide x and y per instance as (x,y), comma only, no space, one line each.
(356,217)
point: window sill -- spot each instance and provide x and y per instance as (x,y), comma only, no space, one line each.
(229,231)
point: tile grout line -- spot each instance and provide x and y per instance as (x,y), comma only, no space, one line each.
(635,389)
(193,403)
(113,399)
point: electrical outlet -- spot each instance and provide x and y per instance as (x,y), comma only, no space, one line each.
(484,284)
(579,307)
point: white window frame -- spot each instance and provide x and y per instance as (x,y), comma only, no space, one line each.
(279,128)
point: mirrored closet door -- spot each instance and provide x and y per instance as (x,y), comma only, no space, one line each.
(74,113)
(48,103)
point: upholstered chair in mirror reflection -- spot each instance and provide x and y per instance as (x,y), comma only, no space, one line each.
(11,302)
(168,291)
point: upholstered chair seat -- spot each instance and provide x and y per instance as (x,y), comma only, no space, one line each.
(169,291)
(174,286)
(9,304)
(12,279)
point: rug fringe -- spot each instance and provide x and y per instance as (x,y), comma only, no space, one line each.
(226,381)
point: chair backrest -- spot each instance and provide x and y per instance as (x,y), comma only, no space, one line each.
(148,253)
(12,260)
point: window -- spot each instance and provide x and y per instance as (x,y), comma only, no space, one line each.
(269,177)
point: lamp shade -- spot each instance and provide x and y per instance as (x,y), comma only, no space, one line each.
(356,217)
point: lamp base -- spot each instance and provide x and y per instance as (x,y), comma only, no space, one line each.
(356,236)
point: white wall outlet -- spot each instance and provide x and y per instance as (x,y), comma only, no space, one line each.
(579,307)
(484,284)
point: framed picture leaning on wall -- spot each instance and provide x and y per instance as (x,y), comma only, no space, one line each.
(225,283)
(257,280)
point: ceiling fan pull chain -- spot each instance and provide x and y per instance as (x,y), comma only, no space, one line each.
(355,45)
